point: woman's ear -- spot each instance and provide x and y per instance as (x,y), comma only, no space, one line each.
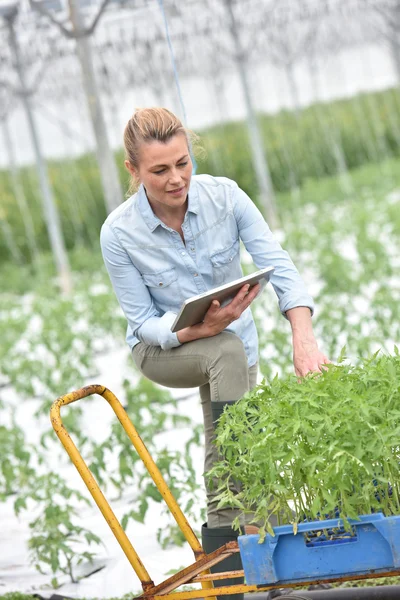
(132,170)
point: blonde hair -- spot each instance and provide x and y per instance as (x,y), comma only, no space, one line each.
(152,124)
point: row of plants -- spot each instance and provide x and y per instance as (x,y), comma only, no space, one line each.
(323,140)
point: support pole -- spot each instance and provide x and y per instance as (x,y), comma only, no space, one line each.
(263,176)
(105,158)
(50,211)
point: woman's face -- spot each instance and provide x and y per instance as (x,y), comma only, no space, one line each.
(165,170)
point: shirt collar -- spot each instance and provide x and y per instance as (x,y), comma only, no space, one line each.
(193,206)
(147,212)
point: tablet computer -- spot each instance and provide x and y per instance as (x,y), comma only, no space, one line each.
(193,310)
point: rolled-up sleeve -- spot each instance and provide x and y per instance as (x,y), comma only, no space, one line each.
(145,321)
(266,251)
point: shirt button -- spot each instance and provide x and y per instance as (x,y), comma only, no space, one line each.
(161,283)
(192,249)
(183,253)
(196,275)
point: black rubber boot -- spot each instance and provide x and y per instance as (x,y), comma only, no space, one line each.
(214,538)
(218,408)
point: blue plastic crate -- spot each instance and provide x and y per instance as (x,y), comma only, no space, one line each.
(311,554)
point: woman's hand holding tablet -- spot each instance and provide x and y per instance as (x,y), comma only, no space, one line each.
(195,309)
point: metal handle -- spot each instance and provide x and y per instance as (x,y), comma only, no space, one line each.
(95,491)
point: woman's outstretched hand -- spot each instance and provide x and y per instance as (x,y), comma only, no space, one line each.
(307,358)
(218,318)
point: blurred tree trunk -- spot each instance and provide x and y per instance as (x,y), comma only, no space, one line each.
(19,194)
(395,41)
(9,239)
(108,169)
(50,211)
(395,51)
(263,176)
(331,131)
(293,89)
(396,59)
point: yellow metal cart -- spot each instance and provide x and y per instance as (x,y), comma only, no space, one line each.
(198,571)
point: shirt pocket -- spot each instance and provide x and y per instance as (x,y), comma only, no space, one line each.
(164,288)
(226,264)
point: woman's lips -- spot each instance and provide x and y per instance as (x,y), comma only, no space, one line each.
(177,191)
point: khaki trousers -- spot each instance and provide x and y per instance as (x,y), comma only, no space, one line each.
(218,366)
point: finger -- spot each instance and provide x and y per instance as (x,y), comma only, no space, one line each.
(298,375)
(244,292)
(301,373)
(311,369)
(249,294)
(248,299)
(214,307)
(253,293)
(240,296)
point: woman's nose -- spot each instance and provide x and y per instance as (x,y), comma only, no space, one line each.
(174,175)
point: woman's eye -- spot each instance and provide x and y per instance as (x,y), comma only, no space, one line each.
(160,171)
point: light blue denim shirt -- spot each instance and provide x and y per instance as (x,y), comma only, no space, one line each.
(153,271)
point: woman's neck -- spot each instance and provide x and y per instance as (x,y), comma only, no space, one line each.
(173,219)
(171,216)
(168,215)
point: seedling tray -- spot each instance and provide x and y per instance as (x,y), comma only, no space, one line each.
(322,549)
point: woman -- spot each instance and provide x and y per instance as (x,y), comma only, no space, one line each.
(179,236)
